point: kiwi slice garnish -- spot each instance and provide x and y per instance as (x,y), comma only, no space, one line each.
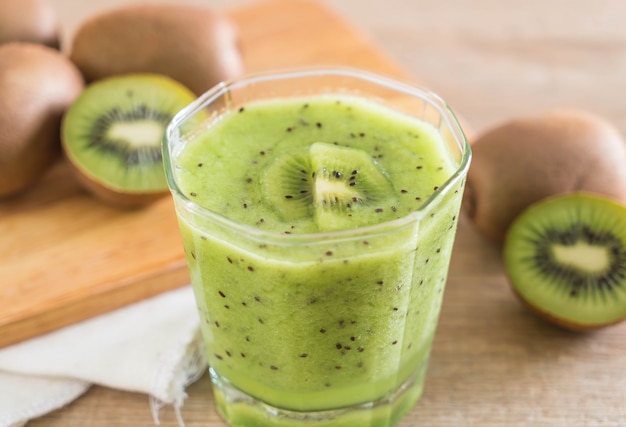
(339,187)
(566,259)
(112,135)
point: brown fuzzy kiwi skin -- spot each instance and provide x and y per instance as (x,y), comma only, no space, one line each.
(194,45)
(530,158)
(33,21)
(37,86)
(111,196)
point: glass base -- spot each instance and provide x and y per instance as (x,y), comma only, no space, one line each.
(239,409)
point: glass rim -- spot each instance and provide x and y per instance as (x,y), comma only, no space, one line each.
(394,83)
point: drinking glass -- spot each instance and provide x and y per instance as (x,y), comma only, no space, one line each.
(328,328)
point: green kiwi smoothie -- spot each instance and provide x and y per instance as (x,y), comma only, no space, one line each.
(320,271)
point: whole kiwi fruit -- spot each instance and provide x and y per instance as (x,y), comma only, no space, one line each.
(193,45)
(533,157)
(37,84)
(33,21)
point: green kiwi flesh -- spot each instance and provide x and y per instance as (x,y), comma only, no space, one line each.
(112,135)
(566,259)
(330,183)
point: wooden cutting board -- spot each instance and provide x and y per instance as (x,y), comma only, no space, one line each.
(65,257)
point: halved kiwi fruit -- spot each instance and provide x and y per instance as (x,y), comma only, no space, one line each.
(566,259)
(112,135)
(330,183)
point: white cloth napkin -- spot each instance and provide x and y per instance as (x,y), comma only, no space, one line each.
(153,347)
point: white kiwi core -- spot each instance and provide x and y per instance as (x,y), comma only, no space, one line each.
(136,134)
(326,190)
(591,258)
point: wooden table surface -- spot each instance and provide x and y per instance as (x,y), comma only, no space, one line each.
(493,363)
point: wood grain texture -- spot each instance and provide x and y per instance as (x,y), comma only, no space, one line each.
(65,256)
(494,364)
